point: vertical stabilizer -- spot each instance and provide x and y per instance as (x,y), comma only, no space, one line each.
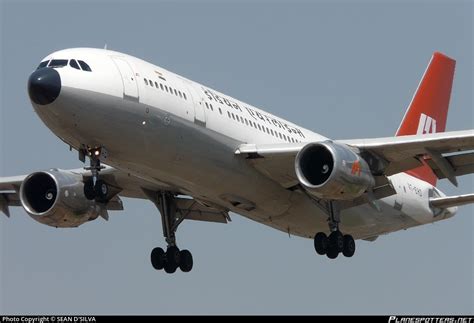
(428,110)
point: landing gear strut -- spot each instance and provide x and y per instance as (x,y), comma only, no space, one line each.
(95,188)
(173,257)
(336,242)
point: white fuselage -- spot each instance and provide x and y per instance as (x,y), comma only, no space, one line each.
(183,136)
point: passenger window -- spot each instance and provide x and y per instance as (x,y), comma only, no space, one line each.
(146,81)
(156,85)
(84,66)
(175,92)
(74,64)
(58,63)
(220,111)
(151,83)
(180,95)
(161,86)
(42,64)
(166,88)
(246,122)
(184,94)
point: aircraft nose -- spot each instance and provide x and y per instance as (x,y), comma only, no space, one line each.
(44,86)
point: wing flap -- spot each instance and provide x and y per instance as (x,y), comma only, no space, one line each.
(8,199)
(190,209)
(462,164)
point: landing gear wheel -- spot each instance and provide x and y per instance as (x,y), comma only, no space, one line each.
(157,258)
(170,268)
(321,243)
(333,252)
(185,261)
(101,190)
(172,259)
(89,190)
(336,241)
(349,246)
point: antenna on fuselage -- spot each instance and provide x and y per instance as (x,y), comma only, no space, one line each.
(105,46)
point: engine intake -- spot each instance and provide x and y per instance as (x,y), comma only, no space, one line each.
(332,171)
(40,193)
(56,198)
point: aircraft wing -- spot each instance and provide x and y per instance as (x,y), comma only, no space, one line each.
(449,154)
(122,184)
(406,152)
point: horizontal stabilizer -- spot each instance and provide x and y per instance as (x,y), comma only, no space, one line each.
(450,201)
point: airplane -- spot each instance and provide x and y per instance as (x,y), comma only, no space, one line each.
(198,154)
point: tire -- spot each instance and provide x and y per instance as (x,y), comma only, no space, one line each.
(89,192)
(336,241)
(101,190)
(332,252)
(157,258)
(349,246)
(172,259)
(170,268)
(185,261)
(321,243)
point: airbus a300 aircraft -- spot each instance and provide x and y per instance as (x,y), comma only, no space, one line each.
(198,154)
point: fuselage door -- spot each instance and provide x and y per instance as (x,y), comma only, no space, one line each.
(198,103)
(199,113)
(130,88)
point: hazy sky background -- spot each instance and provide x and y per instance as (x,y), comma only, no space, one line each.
(343,69)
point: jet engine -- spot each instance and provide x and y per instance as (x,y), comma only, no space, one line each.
(332,171)
(56,198)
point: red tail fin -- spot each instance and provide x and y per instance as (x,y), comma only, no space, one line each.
(428,110)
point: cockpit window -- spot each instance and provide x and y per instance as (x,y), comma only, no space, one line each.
(58,63)
(84,66)
(43,64)
(74,64)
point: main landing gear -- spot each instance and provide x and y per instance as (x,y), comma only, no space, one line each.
(336,242)
(173,257)
(95,188)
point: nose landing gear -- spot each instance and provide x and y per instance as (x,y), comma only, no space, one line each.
(95,188)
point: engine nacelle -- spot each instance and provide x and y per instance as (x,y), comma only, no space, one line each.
(332,171)
(56,198)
